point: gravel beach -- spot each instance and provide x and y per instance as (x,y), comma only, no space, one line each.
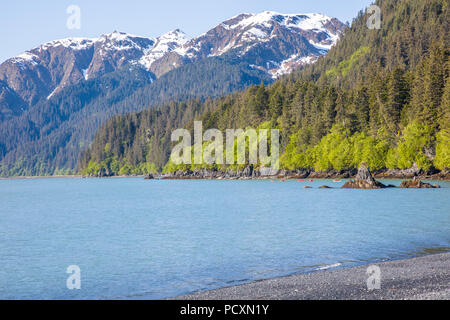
(421,278)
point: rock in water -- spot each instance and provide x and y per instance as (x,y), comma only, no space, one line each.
(364,180)
(417,184)
(149,177)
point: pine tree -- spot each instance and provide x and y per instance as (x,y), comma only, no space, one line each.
(329,109)
(362,108)
(396,100)
(434,81)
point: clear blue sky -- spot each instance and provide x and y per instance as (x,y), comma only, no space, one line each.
(26,24)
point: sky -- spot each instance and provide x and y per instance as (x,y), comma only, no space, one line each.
(27,24)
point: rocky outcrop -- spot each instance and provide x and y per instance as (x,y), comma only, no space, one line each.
(266,172)
(364,180)
(149,177)
(417,184)
(104,173)
(409,173)
(247,173)
(333,174)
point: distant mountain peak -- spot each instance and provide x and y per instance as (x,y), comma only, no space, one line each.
(306,21)
(120,36)
(176,36)
(270,41)
(70,43)
(164,44)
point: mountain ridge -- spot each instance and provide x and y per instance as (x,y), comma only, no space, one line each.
(45,70)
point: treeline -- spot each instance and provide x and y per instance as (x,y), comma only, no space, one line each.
(380,96)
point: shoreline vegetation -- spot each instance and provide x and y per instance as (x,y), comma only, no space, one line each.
(249,173)
(418,278)
(362,180)
(384,175)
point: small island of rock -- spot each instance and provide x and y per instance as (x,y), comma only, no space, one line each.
(417,184)
(364,180)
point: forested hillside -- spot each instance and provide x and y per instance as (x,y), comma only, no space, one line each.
(47,138)
(379,96)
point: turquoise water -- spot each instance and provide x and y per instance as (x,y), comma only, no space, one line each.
(137,239)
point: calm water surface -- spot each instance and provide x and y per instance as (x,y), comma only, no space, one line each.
(138,239)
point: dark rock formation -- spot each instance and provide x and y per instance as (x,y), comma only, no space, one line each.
(149,177)
(332,174)
(248,172)
(410,173)
(417,184)
(104,173)
(364,180)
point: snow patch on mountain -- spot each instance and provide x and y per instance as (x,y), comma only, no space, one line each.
(52,93)
(304,21)
(256,32)
(164,44)
(118,41)
(72,43)
(288,65)
(243,32)
(26,58)
(85,74)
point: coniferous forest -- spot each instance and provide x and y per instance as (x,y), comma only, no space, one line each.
(379,96)
(47,138)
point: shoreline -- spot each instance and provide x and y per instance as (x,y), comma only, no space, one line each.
(381,178)
(427,179)
(266,173)
(62,177)
(250,174)
(315,176)
(38,177)
(422,178)
(418,278)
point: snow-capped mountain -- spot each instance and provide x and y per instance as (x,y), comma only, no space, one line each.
(164,45)
(114,50)
(269,41)
(45,70)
